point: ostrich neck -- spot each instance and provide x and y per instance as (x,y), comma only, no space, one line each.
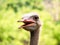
(34,37)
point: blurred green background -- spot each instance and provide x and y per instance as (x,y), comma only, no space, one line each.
(12,10)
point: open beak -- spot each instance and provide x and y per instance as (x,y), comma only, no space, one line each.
(27,22)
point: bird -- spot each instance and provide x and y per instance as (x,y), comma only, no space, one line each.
(32,24)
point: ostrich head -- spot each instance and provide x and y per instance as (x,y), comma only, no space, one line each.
(31,22)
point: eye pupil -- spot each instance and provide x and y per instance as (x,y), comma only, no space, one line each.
(36,17)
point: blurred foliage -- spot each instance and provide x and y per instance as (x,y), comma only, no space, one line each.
(12,10)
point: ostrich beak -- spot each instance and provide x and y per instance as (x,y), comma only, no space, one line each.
(26,22)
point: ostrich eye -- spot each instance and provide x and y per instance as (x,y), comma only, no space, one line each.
(36,17)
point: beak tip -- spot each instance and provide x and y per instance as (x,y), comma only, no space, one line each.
(19,21)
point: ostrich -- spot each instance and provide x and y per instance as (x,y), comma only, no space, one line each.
(32,23)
